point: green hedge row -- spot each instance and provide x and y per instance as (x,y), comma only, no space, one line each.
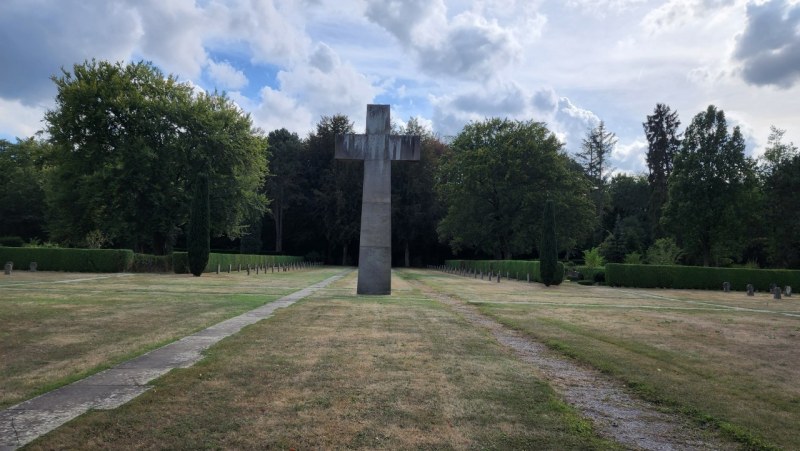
(73,260)
(512,267)
(180,261)
(121,260)
(695,277)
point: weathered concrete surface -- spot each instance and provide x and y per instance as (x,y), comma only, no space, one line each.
(377,148)
(22,423)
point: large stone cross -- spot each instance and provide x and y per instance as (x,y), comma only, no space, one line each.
(377,148)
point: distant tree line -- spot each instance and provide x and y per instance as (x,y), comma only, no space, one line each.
(118,160)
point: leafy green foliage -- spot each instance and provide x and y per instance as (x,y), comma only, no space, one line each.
(712,189)
(593,157)
(548,250)
(22,195)
(664,251)
(494,183)
(415,207)
(199,236)
(696,277)
(782,215)
(634,258)
(127,142)
(283,187)
(592,258)
(73,260)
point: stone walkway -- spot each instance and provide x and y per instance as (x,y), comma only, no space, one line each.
(22,423)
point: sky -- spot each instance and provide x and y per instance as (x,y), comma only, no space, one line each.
(568,63)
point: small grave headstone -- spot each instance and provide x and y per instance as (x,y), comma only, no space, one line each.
(218,265)
(750,291)
(230,267)
(498,277)
(9,267)
(726,287)
(34,266)
(788,291)
(248,270)
(776,293)
(481,275)
(529,277)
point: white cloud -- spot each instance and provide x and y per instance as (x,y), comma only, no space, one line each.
(630,157)
(274,110)
(226,76)
(469,45)
(18,120)
(677,13)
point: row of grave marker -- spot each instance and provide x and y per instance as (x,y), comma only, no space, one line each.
(491,275)
(274,268)
(9,267)
(726,286)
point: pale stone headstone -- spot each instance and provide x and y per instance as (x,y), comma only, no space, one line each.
(9,267)
(750,291)
(726,287)
(529,277)
(34,266)
(788,291)
(218,265)
(230,268)
(378,149)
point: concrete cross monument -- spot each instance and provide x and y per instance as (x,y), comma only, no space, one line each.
(378,149)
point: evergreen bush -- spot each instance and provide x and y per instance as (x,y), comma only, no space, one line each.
(198,239)
(549,251)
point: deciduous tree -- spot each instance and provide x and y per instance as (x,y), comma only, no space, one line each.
(494,182)
(712,188)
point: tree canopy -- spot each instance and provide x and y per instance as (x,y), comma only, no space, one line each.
(495,180)
(127,143)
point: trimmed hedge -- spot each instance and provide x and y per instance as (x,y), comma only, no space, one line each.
(697,277)
(145,263)
(180,261)
(73,260)
(512,267)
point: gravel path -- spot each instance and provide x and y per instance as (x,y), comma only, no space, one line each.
(632,422)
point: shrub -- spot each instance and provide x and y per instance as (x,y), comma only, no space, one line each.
(74,260)
(697,277)
(664,252)
(592,258)
(634,258)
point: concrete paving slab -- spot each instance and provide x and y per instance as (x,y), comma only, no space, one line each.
(109,389)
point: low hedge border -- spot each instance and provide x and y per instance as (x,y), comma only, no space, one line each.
(180,261)
(512,267)
(73,260)
(696,277)
(122,260)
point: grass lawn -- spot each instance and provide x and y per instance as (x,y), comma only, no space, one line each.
(724,358)
(59,327)
(341,371)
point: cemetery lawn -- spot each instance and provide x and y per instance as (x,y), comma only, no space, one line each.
(56,327)
(723,359)
(337,370)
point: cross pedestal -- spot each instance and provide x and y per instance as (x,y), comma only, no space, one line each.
(377,148)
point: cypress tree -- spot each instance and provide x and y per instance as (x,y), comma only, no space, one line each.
(548,252)
(199,236)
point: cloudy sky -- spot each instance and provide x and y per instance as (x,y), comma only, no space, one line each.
(569,63)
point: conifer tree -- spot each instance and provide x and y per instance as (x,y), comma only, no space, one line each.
(199,234)
(549,251)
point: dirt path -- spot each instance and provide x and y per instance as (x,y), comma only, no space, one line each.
(616,414)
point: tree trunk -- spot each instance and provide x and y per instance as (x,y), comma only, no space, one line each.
(407,256)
